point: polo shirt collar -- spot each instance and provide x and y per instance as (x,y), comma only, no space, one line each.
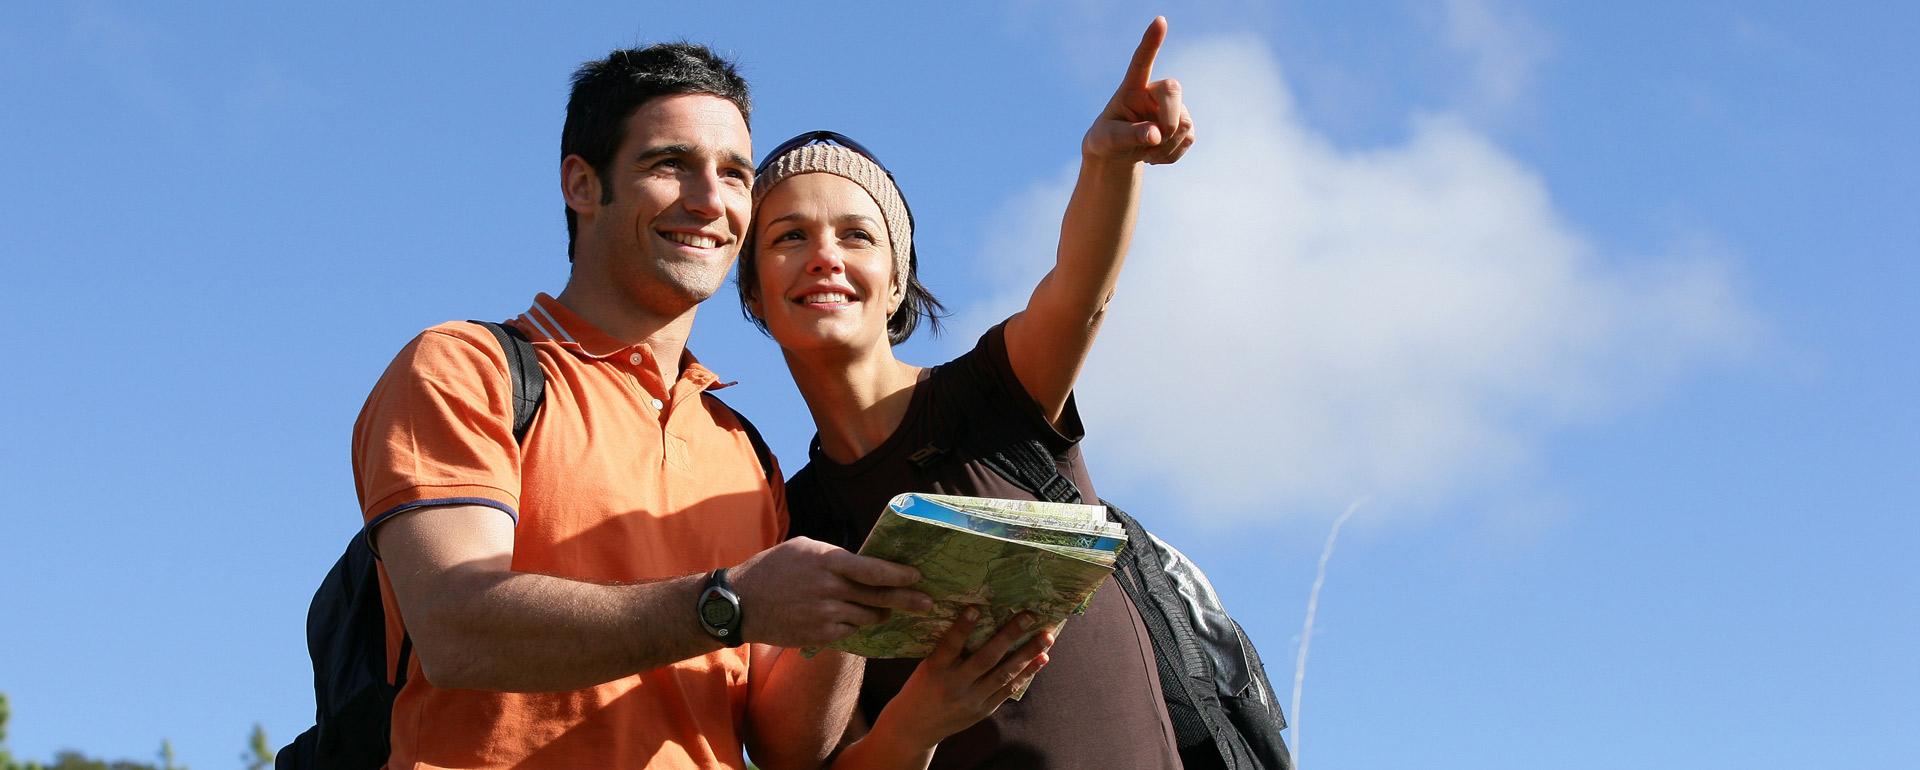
(556,323)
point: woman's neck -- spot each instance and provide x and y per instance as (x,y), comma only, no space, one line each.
(857,402)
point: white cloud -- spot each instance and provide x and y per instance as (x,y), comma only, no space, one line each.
(1301,324)
(1503,49)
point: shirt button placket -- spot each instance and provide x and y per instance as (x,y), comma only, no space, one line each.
(658,406)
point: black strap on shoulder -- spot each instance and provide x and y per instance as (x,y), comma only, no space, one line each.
(529,392)
(523,369)
(760,449)
(1030,466)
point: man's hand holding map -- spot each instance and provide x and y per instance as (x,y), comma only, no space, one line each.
(1000,556)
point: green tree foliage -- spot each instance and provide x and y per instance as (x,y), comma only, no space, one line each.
(259,754)
(6,757)
(65,760)
(74,760)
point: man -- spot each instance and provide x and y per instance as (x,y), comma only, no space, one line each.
(550,587)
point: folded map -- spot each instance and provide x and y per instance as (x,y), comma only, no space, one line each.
(1001,556)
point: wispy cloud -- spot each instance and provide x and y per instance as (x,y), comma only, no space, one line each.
(1503,49)
(1306,628)
(1302,324)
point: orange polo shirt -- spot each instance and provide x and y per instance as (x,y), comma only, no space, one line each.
(622,477)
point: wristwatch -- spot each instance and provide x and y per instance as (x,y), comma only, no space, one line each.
(719,609)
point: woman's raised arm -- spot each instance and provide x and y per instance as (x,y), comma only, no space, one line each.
(1144,123)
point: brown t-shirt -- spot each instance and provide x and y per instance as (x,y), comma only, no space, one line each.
(1097,703)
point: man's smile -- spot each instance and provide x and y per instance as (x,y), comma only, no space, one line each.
(696,240)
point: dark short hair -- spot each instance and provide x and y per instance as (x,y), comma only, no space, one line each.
(607,91)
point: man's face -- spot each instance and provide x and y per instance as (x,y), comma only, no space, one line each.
(681,188)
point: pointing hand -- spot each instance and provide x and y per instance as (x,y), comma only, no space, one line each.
(1145,120)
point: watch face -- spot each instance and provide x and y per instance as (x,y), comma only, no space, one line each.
(716,610)
(719,610)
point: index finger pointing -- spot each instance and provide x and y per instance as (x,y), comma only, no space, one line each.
(1140,70)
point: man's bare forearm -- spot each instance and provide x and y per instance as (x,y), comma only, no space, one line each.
(477,624)
(523,632)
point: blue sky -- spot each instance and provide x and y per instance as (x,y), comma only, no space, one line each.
(1603,313)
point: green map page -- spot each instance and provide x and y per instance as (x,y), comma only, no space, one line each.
(967,556)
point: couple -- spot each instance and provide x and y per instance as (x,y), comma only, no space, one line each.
(613,590)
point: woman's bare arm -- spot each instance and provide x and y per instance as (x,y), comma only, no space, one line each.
(1144,123)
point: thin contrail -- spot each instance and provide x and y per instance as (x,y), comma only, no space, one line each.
(1306,632)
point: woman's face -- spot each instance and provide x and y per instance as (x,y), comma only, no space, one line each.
(825,267)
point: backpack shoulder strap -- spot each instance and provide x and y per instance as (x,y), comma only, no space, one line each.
(523,369)
(760,449)
(1030,466)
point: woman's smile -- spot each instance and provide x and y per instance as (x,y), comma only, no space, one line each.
(822,248)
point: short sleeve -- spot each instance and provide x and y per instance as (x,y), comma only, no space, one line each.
(437,428)
(987,367)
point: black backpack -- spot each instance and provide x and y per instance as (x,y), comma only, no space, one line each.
(1224,710)
(347,624)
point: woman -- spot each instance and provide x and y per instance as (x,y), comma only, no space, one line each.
(828,272)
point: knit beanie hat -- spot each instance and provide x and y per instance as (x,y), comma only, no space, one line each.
(824,158)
